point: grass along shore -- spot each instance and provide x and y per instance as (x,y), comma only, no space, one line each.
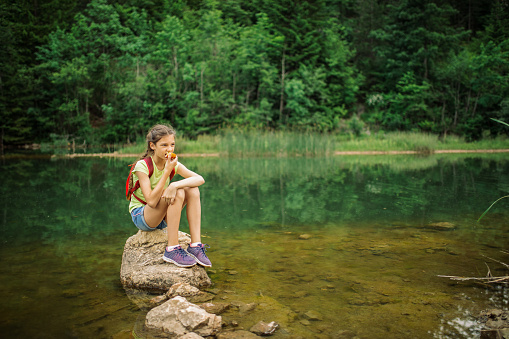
(293,144)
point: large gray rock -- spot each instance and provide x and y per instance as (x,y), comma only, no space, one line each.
(143,267)
(177,317)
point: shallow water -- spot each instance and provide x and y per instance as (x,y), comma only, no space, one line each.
(368,266)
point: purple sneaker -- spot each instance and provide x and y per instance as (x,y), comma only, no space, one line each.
(198,253)
(179,257)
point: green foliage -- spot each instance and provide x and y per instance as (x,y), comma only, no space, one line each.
(408,106)
(99,71)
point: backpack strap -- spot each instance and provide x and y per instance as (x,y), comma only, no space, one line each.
(150,165)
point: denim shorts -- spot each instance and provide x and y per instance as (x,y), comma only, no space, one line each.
(139,220)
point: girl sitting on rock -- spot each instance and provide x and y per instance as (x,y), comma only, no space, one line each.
(155,203)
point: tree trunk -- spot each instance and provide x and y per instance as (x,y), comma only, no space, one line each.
(467,106)
(426,68)
(281,102)
(475,104)
(201,87)
(456,106)
(234,85)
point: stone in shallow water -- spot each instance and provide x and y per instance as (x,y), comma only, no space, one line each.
(495,319)
(156,301)
(263,328)
(237,335)
(143,267)
(244,308)
(191,335)
(183,289)
(313,315)
(305,236)
(216,308)
(442,226)
(177,317)
(301,294)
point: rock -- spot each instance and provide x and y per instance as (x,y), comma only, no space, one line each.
(236,335)
(201,298)
(344,334)
(305,322)
(301,294)
(191,335)
(305,236)
(495,319)
(178,317)
(312,315)
(246,308)
(216,308)
(441,226)
(262,328)
(504,332)
(156,301)
(182,289)
(191,293)
(125,334)
(143,267)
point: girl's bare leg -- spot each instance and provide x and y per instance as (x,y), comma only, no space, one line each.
(189,196)
(173,218)
(193,212)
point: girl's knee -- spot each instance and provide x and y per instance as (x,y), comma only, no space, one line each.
(181,194)
(192,192)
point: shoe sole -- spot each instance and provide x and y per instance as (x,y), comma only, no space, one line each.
(176,263)
(198,261)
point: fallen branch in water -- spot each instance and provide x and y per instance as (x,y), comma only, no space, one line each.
(489,277)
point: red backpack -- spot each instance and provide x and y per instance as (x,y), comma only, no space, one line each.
(130,188)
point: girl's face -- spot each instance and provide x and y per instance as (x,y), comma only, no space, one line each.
(164,145)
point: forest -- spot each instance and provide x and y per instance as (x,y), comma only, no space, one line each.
(104,71)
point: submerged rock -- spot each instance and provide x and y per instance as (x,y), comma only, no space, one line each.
(216,308)
(441,226)
(262,328)
(178,317)
(495,318)
(143,267)
(237,335)
(182,289)
(313,315)
(496,324)
(191,335)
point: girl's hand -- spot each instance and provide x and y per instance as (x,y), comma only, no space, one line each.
(171,163)
(169,194)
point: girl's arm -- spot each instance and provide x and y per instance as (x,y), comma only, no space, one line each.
(191,179)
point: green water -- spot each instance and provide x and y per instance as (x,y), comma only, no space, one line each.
(368,267)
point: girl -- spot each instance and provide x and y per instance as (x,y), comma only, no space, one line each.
(158,203)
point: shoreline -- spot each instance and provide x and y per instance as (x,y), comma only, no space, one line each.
(204,155)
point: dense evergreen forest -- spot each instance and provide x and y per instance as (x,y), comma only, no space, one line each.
(103,71)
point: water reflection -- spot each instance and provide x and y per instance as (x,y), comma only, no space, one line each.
(368,264)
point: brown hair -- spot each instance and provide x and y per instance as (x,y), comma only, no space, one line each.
(155,134)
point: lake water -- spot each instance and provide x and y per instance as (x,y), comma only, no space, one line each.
(368,267)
